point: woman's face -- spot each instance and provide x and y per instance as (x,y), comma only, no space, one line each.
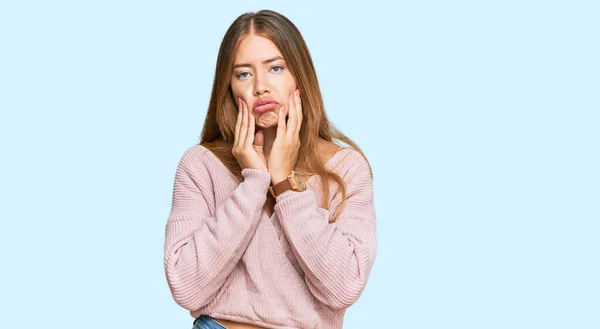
(260,73)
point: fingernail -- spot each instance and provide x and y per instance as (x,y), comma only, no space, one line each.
(297,92)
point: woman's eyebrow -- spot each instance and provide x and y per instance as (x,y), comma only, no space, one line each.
(264,62)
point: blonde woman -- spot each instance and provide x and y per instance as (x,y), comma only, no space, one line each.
(272,223)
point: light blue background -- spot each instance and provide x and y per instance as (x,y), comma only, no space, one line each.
(480,119)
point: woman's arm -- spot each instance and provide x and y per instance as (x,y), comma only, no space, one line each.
(337,257)
(201,246)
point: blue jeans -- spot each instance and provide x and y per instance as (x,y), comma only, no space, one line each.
(206,322)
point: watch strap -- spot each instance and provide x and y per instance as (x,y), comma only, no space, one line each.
(280,187)
(285,185)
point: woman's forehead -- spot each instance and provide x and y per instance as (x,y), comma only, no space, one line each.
(256,49)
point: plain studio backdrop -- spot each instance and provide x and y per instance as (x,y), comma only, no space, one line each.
(480,120)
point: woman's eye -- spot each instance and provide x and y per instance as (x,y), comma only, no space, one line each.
(244,75)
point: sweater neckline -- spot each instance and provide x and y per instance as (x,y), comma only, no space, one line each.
(328,162)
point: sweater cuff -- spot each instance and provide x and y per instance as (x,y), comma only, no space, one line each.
(260,178)
(293,202)
(290,194)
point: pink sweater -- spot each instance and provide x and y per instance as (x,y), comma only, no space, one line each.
(225,257)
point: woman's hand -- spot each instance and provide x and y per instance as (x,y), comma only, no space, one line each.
(247,149)
(284,152)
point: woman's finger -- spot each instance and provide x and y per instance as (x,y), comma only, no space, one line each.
(244,127)
(250,139)
(292,117)
(281,126)
(238,123)
(298,113)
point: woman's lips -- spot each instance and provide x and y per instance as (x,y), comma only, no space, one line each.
(265,107)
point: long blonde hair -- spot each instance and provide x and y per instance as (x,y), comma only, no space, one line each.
(219,127)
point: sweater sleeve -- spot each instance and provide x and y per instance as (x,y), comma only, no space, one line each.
(336,257)
(202,246)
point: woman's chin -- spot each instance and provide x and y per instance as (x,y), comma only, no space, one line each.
(267,119)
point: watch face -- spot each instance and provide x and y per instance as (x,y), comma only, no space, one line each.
(299,181)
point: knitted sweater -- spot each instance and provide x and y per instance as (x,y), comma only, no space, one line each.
(225,257)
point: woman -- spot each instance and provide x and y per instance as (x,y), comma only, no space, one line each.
(272,224)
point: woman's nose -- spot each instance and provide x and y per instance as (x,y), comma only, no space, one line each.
(261,84)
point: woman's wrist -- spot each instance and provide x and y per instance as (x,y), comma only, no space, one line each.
(278,178)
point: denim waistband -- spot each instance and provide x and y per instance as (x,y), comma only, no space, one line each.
(206,322)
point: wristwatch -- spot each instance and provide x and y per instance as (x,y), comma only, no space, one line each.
(293,182)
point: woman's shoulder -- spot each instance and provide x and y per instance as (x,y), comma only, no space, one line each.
(330,150)
(345,160)
(196,152)
(199,157)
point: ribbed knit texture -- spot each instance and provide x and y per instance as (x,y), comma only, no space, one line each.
(226,258)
